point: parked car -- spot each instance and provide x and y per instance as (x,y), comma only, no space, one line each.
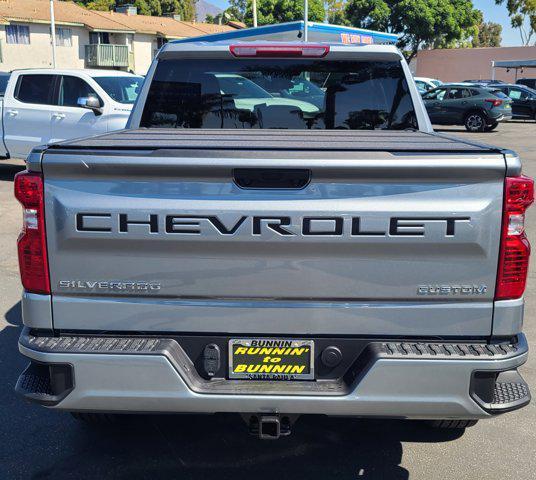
(482,81)
(426,83)
(296,87)
(528,82)
(44,105)
(272,271)
(421,89)
(247,94)
(4,77)
(523,99)
(478,108)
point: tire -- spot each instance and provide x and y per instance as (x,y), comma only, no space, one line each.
(491,127)
(95,419)
(451,424)
(475,122)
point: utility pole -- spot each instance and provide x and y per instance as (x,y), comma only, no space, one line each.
(53,32)
(305,19)
(254,13)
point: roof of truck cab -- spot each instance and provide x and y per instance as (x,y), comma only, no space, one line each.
(201,50)
(288,140)
(195,45)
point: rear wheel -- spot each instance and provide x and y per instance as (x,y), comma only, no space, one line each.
(475,122)
(452,424)
(491,127)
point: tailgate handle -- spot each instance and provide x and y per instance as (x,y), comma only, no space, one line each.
(287,178)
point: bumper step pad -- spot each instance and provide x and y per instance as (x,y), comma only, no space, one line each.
(509,393)
(34,383)
(500,392)
(46,384)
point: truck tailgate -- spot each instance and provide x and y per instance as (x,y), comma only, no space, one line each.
(377,243)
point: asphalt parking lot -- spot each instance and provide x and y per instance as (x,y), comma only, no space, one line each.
(40,444)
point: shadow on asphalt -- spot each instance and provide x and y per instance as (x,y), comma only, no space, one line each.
(47,444)
(8,170)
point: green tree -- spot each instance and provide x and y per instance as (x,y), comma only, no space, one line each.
(184,8)
(103,5)
(275,11)
(237,10)
(436,23)
(522,16)
(145,7)
(489,35)
(335,12)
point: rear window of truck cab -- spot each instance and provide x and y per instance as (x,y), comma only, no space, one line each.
(279,93)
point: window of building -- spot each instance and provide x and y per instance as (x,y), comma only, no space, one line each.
(98,38)
(18,34)
(161,41)
(63,37)
(37,89)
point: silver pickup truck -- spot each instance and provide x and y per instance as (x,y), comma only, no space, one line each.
(277,232)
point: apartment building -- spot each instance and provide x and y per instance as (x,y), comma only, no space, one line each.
(86,38)
(456,64)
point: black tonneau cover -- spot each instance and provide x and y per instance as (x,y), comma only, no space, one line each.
(318,140)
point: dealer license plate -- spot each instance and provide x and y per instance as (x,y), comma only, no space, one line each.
(271,359)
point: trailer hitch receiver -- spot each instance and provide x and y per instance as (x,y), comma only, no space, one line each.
(269,426)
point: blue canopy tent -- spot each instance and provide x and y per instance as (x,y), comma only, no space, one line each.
(293,31)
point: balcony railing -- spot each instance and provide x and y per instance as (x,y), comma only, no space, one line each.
(106,55)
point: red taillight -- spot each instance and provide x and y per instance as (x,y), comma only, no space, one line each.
(515,247)
(31,244)
(495,102)
(302,51)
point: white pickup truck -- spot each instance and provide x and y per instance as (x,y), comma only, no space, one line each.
(44,105)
